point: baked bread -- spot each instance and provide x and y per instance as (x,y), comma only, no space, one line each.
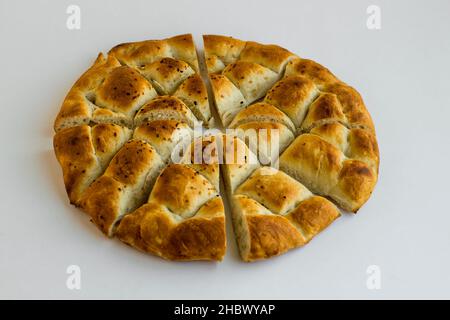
(114,137)
(271,211)
(126,143)
(326,140)
(334,152)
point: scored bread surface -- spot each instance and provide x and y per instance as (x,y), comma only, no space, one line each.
(120,123)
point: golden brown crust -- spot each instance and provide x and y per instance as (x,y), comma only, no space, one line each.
(323,168)
(352,105)
(76,108)
(182,190)
(355,184)
(268,55)
(124,90)
(221,51)
(163,135)
(112,91)
(273,213)
(315,101)
(259,233)
(313,215)
(131,162)
(175,211)
(183,219)
(76,155)
(326,108)
(123,186)
(183,48)
(292,95)
(317,161)
(252,79)
(364,146)
(152,230)
(107,140)
(355,143)
(106,93)
(83,153)
(92,127)
(333,133)
(270,236)
(146,52)
(102,201)
(194,94)
(167,74)
(310,70)
(141,52)
(273,189)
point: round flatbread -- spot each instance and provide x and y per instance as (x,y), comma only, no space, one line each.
(126,141)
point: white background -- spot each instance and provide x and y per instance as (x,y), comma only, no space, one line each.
(402,71)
